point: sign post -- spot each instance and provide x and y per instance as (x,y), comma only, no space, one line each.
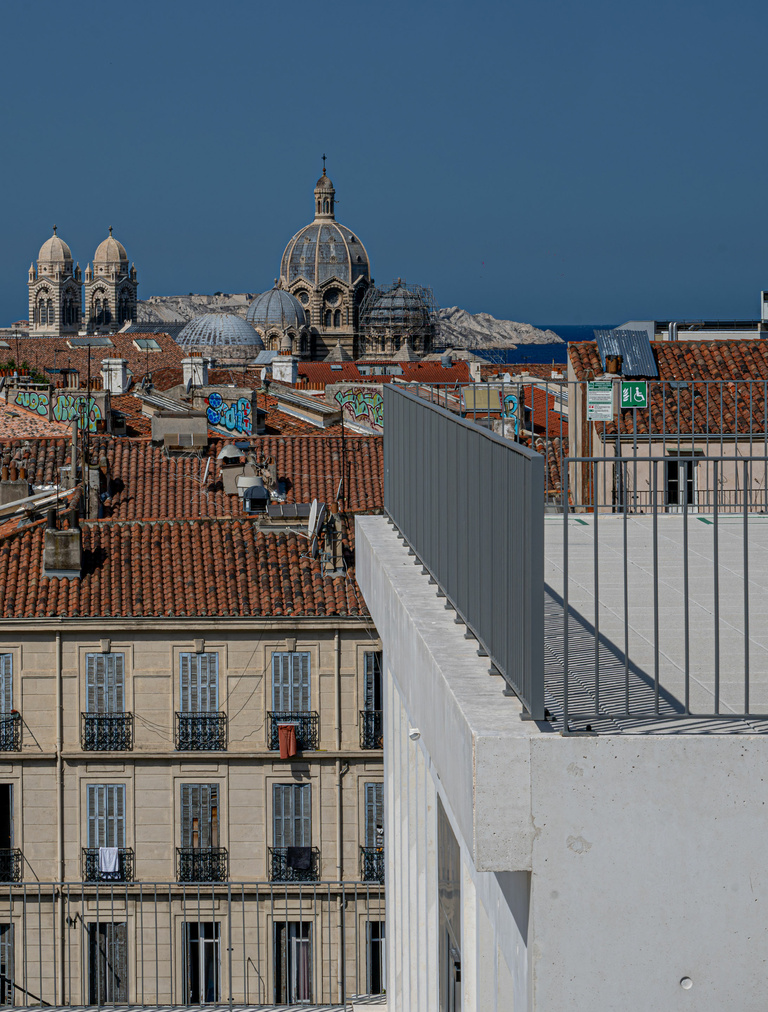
(600,401)
(634,394)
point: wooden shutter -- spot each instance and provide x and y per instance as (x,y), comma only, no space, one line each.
(116,682)
(373,680)
(6,965)
(95,683)
(106,815)
(292,815)
(302,832)
(281,681)
(300,684)
(200,803)
(208,679)
(280,795)
(6,683)
(188,673)
(374,813)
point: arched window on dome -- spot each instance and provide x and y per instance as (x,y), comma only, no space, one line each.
(337,318)
(50,313)
(42,313)
(326,206)
(328,318)
(303,344)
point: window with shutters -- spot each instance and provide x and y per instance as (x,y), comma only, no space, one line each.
(199,683)
(372,851)
(6,684)
(7,996)
(105,724)
(199,725)
(292,855)
(10,720)
(200,859)
(291,681)
(371,723)
(106,815)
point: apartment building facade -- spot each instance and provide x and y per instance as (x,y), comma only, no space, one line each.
(191,802)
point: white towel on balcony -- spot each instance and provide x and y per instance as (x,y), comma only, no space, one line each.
(109,858)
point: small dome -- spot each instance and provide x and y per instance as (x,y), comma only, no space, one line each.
(110,251)
(324,183)
(276,308)
(55,250)
(220,330)
(401,306)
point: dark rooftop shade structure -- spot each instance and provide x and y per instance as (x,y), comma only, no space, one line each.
(633,346)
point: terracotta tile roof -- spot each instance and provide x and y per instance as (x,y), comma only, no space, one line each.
(17,422)
(711,393)
(149,484)
(554,451)
(43,353)
(178,568)
(318,374)
(520,369)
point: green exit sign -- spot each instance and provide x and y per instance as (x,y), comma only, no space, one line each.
(634,394)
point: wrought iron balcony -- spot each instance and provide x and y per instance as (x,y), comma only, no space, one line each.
(10,732)
(92,872)
(372,864)
(294,864)
(305,722)
(371,729)
(201,732)
(202,864)
(10,865)
(106,732)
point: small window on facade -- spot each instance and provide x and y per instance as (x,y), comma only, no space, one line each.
(105,683)
(291,681)
(199,675)
(374,815)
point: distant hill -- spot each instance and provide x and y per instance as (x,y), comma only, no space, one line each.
(458,328)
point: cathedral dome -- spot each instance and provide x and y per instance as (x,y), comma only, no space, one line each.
(55,250)
(110,251)
(218,330)
(323,250)
(276,308)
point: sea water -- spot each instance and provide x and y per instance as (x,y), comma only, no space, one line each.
(544,353)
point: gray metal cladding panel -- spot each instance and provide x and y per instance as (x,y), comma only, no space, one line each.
(470,504)
(634,348)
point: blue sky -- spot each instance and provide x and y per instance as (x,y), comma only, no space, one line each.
(548,162)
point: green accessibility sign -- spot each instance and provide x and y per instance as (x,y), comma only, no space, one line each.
(634,394)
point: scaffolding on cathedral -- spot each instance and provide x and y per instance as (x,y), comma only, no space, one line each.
(397,316)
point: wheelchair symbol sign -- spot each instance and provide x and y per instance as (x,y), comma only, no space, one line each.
(634,394)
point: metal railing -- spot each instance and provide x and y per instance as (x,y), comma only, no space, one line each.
(294,864)
(470,505)
(649,604)
(10,864)
(201,732)
(106,732)
(306,723)
(372,864)
(10,732)
(202,864)
(371,729)
(92,868)
(170,944)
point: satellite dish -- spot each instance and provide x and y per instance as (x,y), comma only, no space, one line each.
(189,384)
(312,518)
(313,547)
(320,519)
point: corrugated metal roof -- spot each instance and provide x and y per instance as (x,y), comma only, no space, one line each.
(633,346)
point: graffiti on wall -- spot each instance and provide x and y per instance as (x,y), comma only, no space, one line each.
(366,406)
(512,411)
(33,400)
(79,406)
(235,417)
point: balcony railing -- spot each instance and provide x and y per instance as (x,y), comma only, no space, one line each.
(10,865)
(10,732)
(294,864)
(305,722)
(372,864)
(371,729)
(202,864)
(201,732)
(106,732)
(92,872)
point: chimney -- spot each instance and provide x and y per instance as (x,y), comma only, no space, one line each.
(63,551)
(285,369)
(13,483)
(195,368)
(114,373)
(613,365)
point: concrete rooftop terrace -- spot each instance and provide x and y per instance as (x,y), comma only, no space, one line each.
(600,681)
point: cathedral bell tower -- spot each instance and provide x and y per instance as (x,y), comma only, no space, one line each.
(324,197)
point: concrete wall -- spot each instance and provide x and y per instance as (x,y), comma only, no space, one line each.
(598,873)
